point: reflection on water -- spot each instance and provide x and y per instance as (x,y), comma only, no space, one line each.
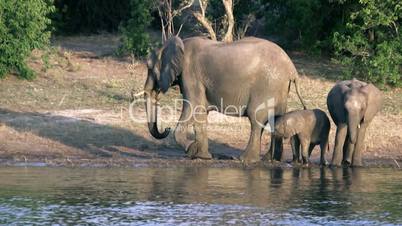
(200,196)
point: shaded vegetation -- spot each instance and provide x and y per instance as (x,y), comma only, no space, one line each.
(90,16)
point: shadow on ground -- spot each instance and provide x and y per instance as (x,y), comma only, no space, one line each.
(98,140)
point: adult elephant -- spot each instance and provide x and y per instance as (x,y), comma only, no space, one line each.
(352,105)
(236,78)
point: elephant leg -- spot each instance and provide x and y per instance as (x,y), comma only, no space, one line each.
(323,149)
(310,149)
(295,143)
(252,152)
(199,148)
(275,149)
(269,156)
(305,144)
(181,131)
(348,149)
(278,148)
(340,137)
(357,154)
(345,146)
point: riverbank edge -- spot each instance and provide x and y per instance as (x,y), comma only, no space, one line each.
(180,163)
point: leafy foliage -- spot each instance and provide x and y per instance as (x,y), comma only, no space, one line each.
(23,27)
(135,39)
(302,24)
(370,46)
(364,35)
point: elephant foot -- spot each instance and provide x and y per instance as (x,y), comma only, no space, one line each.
(332,165)
(296,161)
(335,163)
(346,163)
(194,152)
(357,164)
(266,158)
(224,157)
(305,161)
(324,163)
(248,157)
(302,164)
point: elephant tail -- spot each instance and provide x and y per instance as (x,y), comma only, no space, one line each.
(296,82)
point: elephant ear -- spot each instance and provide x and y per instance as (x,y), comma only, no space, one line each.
(171,62)
(374,102)
(279,126)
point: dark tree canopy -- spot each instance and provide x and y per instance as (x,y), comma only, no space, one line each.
(363,36)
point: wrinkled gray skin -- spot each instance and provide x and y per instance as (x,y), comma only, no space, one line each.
(352,105)
(305,128)
(245,74)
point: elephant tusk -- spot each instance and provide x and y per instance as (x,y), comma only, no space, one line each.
(358,126)
(138,94)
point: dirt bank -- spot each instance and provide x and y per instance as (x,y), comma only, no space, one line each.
(77,113)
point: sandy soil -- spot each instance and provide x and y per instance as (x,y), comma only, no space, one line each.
(77,113)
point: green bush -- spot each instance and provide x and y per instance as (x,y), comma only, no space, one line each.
(23,27)
(370,45)
(135,39)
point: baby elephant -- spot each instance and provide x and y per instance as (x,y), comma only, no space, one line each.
(307,128)
(352,105)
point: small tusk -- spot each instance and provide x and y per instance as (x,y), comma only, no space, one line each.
(139,94)
(396,162)
(358,126)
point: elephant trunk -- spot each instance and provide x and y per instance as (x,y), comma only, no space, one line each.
(353,127)
(151,109)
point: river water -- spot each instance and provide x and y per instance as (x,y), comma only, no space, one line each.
(199,196)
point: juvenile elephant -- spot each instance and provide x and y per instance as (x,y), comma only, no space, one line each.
(352,105)
(305,128)
(236,78)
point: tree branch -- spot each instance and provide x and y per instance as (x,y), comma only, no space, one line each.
(206,24)
(183,7)
(242,30)
(230,19)
(162,25)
